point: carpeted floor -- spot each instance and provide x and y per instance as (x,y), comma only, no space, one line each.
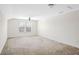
(37,45)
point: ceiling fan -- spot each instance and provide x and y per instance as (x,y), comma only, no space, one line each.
(50,5)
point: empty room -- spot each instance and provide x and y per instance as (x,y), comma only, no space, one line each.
(39,29)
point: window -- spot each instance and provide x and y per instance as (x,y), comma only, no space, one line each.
(28,27)
(24,26)
(21,26)
(21,29)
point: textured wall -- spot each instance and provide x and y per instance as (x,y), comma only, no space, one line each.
(3,31)
(63,28)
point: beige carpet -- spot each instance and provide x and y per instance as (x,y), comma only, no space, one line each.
(37,46)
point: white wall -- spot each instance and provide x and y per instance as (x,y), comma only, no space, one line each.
(3,31)
(62,28)
(13,29)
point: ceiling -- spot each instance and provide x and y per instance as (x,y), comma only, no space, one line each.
(35,11)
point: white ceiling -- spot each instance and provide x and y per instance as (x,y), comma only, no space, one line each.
(35,11)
